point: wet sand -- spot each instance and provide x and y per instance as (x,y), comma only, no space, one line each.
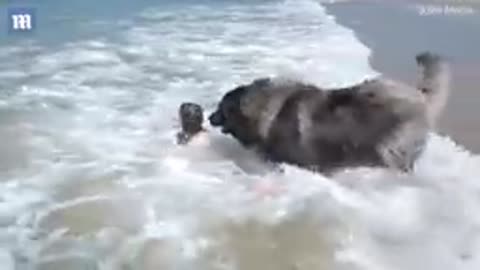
(395,32)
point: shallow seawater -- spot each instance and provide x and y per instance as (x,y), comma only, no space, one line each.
(91,178)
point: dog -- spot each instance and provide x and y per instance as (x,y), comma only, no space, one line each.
(378,122)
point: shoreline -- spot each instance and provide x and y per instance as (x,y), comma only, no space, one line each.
(395,33)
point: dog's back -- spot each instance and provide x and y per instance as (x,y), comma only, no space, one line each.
(325,130)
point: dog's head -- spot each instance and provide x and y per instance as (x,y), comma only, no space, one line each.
(232,119)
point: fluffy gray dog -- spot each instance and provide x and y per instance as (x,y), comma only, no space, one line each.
(379,122)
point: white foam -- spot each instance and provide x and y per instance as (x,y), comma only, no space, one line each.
(103,115)
(6,260)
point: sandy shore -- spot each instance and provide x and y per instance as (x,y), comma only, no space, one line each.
(397,31)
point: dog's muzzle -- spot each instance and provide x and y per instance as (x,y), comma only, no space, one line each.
(216,119)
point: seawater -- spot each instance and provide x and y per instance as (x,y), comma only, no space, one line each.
(91,177)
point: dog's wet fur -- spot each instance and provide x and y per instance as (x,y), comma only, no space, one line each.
(378,122)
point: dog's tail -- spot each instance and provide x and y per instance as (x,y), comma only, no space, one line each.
(434,82)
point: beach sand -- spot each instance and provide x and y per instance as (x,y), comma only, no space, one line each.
(395,32)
